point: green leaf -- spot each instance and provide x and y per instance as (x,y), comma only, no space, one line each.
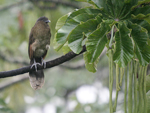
(141,16)
(61,21)
(96,42)
(77,35)
(73,20)
(65,48)
(62,34)
(114,9)
(147,19)
(119,9)
(109,9)
(141,12)
(97,3)
(143,54)
(140,37)
(92,67)
(143,23)
(124,47)
(87,10)
(125,11)
(143,2)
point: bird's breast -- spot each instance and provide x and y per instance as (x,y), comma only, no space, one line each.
(41,34)
(39,47)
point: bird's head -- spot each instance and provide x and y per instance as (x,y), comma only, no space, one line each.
(44,19)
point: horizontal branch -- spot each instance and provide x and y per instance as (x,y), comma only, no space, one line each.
(49,64)
(55,4)
(25,63)
(12,60)
(64,3)
(13,5)
(72,66)
(13,81)
(79,65)
(18,79)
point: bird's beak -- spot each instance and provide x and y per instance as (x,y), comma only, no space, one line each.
(47,21)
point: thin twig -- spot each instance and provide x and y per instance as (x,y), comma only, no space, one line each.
(13,5)
(58,2)
(8,83)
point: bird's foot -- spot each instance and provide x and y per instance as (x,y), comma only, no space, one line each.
(35,65)
(43,63)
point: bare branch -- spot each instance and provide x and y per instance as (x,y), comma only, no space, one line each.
(58,2)
(71,66)
(18,79)
(12,60)
(8,83)
(49,64)
(12,5)
(70,4)
(74,66)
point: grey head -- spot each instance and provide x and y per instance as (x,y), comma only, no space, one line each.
(44,19)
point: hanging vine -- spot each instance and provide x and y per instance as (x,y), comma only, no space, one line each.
(135,82)
(110,80)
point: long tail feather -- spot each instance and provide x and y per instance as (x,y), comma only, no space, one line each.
(36,78)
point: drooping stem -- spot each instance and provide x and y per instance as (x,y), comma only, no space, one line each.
(135,87)
(144,90)
(140,77)
(117,87)
(121,73)
(125,92)
(130,88)
(110,79)
(112,36)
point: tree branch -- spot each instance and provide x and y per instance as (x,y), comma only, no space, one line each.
(9,82)
(12,60)
(18,79)
(49,64)
(79,65)
(55,4)
(65,3)
(13,5)
(25,63)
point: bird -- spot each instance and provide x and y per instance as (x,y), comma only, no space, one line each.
(39,43)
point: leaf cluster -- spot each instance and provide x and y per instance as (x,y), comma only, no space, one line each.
(91,26)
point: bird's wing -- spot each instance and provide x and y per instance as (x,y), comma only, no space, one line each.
(31,41)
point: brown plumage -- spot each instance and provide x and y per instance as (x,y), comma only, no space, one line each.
(39,41)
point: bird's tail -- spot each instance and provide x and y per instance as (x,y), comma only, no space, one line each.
(36,78)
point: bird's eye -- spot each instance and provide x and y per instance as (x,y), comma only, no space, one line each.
(47,21)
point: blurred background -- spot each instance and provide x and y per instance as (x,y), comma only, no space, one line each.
(69,88)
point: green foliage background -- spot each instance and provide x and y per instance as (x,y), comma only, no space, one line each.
(87,26)
(14,54)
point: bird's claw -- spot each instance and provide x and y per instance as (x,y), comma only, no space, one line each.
(35,65)
(43,63)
